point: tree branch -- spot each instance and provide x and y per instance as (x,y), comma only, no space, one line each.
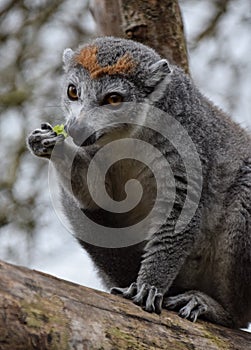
(154,23)
(38,311)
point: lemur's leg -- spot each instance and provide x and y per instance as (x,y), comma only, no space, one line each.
(231,279)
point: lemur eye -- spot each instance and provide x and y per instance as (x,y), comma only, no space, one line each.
(113,99)
(72,92)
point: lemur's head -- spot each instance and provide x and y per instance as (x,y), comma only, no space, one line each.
(108,72)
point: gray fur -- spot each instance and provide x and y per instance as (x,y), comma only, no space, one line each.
(205,270)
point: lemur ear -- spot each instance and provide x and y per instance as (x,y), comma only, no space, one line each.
(67,57)
(157,72)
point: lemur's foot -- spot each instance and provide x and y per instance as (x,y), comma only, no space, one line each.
(194,304)
(42,141)
(145,296)
(191,305)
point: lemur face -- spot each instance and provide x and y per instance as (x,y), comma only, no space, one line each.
(101,79)
(95,104)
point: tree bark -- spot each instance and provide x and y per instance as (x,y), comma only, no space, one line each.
(157,24)
(38,311)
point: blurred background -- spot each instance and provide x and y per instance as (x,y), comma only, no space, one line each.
(33,35)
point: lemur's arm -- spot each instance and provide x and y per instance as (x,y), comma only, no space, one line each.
(165,253)
(69,161)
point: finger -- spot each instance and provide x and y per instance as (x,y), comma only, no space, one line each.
(175,302)
(158,303)
(46,126)
(127,293)
(117,291)
(131,291)
(52,141)
(150,307)
(141,295)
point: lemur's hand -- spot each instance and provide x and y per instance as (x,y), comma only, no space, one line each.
(42,141)
(146,296)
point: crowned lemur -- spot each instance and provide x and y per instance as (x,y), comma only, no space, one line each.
(203,270)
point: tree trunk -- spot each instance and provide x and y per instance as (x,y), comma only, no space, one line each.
(151,22)
(38,311)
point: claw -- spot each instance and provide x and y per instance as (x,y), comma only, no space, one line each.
(150,307)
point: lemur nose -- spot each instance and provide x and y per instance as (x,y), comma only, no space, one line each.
(72,127)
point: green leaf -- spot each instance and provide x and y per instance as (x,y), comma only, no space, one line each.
(59,129)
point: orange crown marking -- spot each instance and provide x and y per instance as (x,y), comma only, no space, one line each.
(88,59)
